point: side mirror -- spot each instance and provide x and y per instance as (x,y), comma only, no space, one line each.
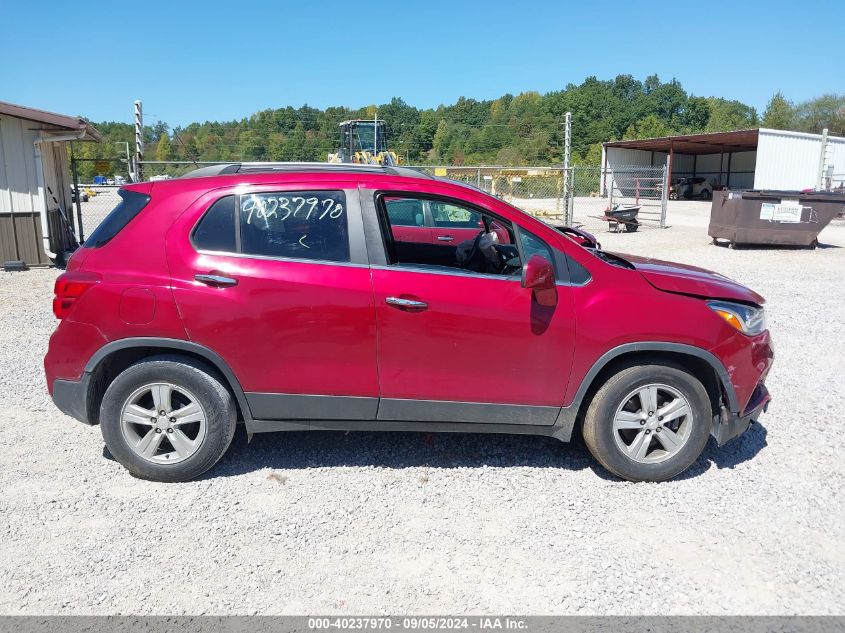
(539,276)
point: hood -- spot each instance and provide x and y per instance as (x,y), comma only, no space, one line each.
(691,280)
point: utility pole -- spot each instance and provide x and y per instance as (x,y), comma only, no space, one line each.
(139,142)
(128,160)
(567,167)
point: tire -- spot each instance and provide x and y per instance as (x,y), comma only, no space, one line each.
(204,431)
(631,227)
(705,194)
(688,433)
(733,245)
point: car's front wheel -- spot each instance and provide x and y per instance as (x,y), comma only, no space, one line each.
(167,419)
(648,422)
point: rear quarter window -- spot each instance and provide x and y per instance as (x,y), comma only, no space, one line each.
(216,229)
(130,205)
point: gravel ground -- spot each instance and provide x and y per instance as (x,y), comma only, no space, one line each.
(399,523)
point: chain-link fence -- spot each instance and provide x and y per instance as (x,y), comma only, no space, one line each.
(636,186)
(98,180)
(95,185)
(578,196)
(537,190)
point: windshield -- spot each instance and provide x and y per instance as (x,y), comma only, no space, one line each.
(360,136)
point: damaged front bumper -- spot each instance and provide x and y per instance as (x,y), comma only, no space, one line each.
(728,426)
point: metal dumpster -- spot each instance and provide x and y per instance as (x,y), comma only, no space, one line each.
(788,218)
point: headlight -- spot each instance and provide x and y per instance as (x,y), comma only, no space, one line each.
(747,319)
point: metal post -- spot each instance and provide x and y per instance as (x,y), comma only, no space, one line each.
(128,159)
(75,174)
(822,157)
(664,197)
(478,178)
(604,171)
(669,160)
(560,176)
(567,162)
(139,141)
(570,202)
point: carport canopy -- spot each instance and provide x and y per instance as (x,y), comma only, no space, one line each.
(694,144)
(710,143)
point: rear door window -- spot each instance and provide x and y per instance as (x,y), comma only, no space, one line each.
(289,224)
(295,224)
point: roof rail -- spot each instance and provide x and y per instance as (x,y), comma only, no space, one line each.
(255,168)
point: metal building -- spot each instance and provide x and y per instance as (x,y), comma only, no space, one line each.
(34,163)
(742,159)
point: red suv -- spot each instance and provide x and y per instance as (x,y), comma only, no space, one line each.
(309,297)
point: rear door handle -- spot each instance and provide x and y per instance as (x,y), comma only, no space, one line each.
(408,305)
(445,238)
(216,281)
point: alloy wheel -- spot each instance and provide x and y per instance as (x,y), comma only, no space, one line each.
(652,423)
(163,423)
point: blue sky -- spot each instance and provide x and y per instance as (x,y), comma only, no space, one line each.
(225,60)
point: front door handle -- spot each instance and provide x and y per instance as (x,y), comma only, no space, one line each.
(445,238)
(408,305)
(216,281)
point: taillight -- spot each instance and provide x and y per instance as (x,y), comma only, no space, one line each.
(69,287)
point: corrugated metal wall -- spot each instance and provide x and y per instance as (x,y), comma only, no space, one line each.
(737,169)
(19,186)
(25,171)
(790,160)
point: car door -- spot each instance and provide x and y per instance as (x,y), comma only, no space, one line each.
(457,346)
(275,280)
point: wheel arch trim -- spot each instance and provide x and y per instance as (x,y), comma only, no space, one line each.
(566,419)
(176,345)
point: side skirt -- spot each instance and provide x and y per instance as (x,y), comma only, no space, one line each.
(561,430)
(288,412)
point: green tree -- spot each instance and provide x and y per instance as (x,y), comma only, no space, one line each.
(517,129)
(779,114)
(649,127)
(251,146)
(442,141)
(164,151)
(827,111)
(729,115)
(695,115)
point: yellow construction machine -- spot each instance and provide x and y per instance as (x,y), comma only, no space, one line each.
(364,142)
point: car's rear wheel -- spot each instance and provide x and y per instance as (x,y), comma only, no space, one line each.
(705,194)
(167,419)
(648,422)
